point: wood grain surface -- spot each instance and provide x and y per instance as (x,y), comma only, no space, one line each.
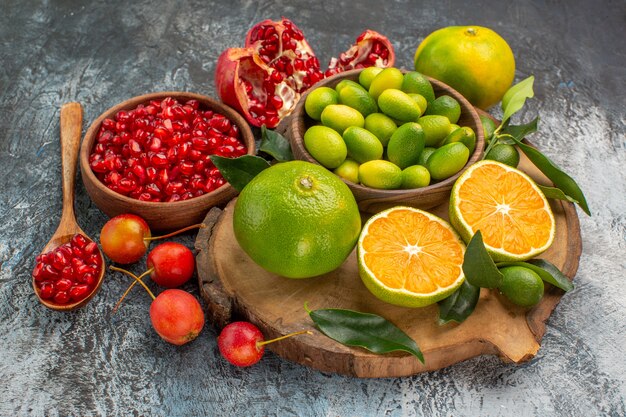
(235,287)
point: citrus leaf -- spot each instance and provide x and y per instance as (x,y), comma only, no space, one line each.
(239,171)
(551,192)
(562,181)
(546,270)
(478,267)
(369,331)
(275,144)
(459,305)
(516,96)
(520,131)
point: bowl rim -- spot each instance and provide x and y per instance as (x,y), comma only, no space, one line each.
(297,127)
(89,139)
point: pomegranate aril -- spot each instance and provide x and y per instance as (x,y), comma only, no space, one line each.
(78,292)
(47,290)
(63,284)
(61,297)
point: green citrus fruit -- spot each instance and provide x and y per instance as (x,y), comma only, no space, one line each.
(359,99)
(507,154)
(465,135)
(380,125)
(317,100)
(447,160)
(415,176)
(387,78)
(417,83)
(489,126)
(344,83)
(380,174)
(348,170)
(406,145)
(325,145)
(453,127)
(362,145)
(522,286)
(297,220)
(420,100)
(401,257)
(367,76)
(426,153)
(435,127)
(473,60)
(445,106)
(398,105)
(340,117)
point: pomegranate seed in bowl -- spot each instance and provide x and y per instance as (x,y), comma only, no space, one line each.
(159,151)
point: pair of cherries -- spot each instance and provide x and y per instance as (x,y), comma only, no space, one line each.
(176,315)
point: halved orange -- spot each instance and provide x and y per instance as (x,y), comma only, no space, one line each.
(508,208)
(409,257)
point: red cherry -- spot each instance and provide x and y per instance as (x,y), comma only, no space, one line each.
(242,344)
(172,264)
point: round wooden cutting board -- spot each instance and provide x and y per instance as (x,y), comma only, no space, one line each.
(235,288)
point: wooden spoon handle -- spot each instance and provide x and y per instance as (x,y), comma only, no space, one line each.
(71,129)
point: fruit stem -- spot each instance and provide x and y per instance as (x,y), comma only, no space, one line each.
(130,287)
(114,268)
(494,141)
(184,229)
(265,342)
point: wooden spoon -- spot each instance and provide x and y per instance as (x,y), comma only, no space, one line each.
(71,126)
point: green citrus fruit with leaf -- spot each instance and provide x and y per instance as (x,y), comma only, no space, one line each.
(507,154)
(297,220)
(409,257)
(522,286)
(474,60)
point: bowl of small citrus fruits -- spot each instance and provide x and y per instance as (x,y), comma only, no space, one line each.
(393,136)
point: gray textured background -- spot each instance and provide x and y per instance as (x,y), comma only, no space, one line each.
(89,363)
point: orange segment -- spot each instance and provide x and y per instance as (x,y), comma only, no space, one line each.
(409,257)
(508,208)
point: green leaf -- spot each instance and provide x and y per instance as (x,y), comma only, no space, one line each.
(275,144)
(369,331)
(520,131)
(459,305)
(239,171)
(516,96)
(478,267)
(546,270)
(562,181)
(556,193)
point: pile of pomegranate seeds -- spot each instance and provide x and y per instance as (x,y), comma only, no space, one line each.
(70,272)
(160,151)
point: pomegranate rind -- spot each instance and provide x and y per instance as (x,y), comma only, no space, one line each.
(360,50)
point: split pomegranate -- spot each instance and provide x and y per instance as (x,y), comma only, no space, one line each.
(265,79)
(160,151)
(370,50)
(68,273)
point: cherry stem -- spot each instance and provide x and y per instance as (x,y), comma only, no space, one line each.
(193,226)
(130,287)
(114,268)
(265,342)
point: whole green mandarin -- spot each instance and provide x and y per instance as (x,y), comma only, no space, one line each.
(445,106)
(348,170)
(447,160)
(325,145)
(521,285)
(406,145)
(367,76)
(359,99)
(505,153)
(362,145)
(345,83)
(317,100)
(386,79)
(380,174)
(465,135)
(415,176)
(435,127)
(398,105)
(381,125)
(426,153)
(340,117)
(414,82)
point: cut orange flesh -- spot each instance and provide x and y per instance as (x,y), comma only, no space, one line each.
(508,208)
(409,257)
